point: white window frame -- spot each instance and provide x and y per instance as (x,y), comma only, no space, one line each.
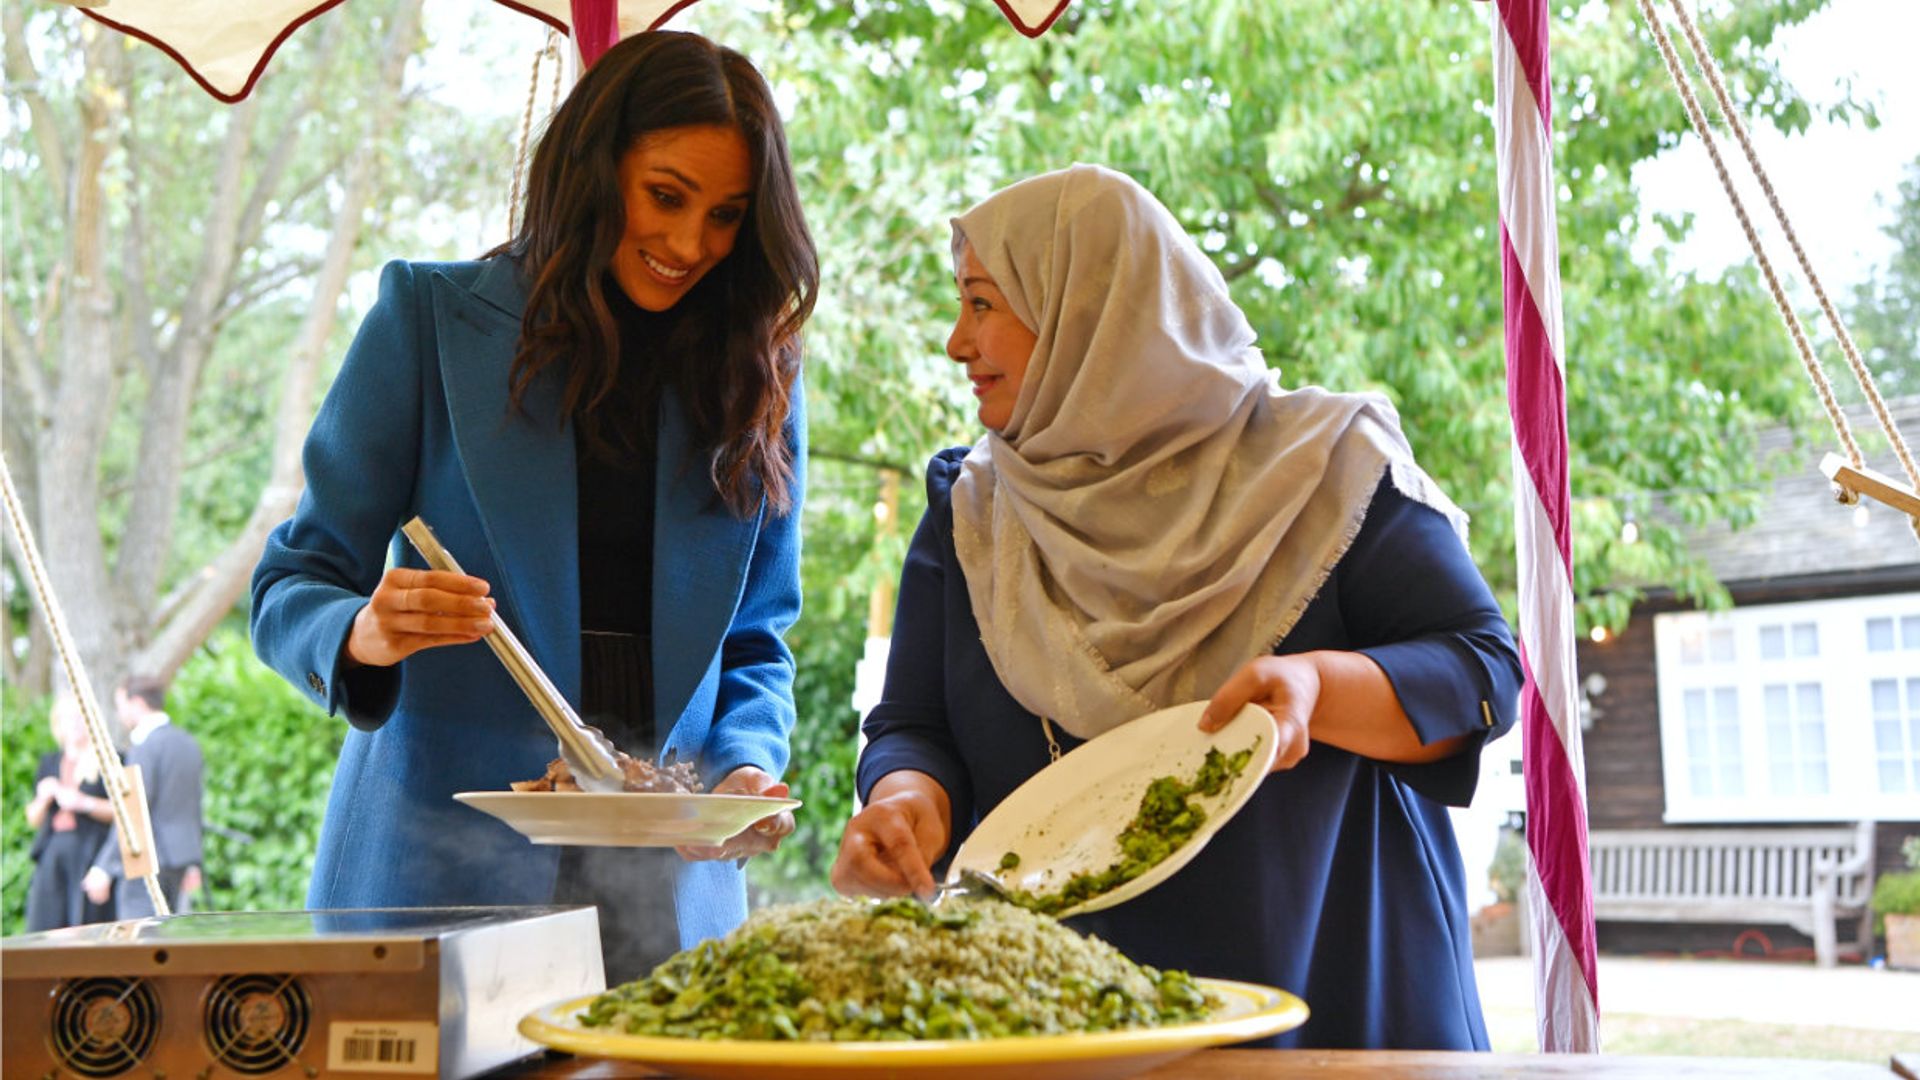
(1844,670)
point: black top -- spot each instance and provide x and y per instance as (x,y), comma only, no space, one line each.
(616,484)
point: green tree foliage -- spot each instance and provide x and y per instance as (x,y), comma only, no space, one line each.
(1335,157)
(1886,307)
(213,226)
(24,738)
(1339,168)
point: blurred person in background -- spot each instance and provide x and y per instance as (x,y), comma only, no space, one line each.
(174,772)
(72,816)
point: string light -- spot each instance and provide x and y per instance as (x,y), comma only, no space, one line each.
(1860,516)
(1629,531)
(1599,635)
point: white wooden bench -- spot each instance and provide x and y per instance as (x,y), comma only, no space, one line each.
(1804,877)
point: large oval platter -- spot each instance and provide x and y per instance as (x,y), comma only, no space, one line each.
(1247,1011)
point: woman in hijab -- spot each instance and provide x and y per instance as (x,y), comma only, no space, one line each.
(1145,522)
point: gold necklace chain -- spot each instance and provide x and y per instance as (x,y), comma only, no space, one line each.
(1053,744)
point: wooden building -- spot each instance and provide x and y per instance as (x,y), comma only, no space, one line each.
(1799,706)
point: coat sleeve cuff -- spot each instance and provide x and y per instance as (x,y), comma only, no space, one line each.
(364,696)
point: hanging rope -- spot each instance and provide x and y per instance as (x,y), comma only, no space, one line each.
(551,50)
(1816,372)
(119,792)
(1861,373)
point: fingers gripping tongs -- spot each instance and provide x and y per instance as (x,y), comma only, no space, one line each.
(586,750)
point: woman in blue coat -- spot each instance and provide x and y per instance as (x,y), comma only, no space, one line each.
(1147,521)
(603,422)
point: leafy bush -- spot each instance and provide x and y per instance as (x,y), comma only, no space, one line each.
(1896,894)
(270,757)
(1899,894)
(821,772)
(1508,874)
(23,739)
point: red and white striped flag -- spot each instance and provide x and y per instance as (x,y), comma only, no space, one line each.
(1566,994)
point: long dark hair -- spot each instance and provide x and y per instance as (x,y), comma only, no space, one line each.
(734,350)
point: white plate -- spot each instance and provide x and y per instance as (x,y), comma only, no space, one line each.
(1247,1011)
(1067,818)
(624,819)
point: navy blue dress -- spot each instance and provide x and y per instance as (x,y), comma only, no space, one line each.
(1340,881)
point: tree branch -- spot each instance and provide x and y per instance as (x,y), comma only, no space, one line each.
(24,78)
(856,459)
(25,376)
(280,158)
(148,537)
(248,291)
(216,587)
(82,400)
(133,241)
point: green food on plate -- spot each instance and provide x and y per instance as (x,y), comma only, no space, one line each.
(842,970)
(1167,819)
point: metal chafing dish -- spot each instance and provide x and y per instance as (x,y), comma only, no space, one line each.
(384,992)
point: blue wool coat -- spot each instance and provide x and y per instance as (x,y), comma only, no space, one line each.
(418,422)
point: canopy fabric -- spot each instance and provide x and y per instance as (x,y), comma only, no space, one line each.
(225,46)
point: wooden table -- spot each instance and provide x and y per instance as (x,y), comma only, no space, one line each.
(1370,1065)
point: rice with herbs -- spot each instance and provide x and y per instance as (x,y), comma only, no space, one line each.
(858,970)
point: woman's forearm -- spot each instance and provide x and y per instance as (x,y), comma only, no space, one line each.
(1357,710)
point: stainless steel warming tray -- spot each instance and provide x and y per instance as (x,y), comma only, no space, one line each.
(399,992)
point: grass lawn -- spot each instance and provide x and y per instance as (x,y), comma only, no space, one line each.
(1626,1033)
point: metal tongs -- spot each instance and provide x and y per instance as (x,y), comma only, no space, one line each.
(586,750)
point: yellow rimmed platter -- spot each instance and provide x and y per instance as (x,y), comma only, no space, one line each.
(1247,1011)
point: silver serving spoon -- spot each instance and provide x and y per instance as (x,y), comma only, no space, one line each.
(586,749)
(974,883)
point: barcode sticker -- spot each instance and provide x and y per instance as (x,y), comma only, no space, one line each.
(378,1046)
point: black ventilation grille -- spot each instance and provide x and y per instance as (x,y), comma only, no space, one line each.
(105,1026)
(255,1024)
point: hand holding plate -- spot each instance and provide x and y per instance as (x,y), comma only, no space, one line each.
(1287,687)
(756,839)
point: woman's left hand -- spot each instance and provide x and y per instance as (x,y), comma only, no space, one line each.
(758,838)
(1288,687)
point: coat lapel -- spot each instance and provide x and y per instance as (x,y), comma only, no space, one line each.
(700,557)
(519,465)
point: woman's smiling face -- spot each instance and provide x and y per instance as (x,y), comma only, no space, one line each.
(991,341)
(687,192)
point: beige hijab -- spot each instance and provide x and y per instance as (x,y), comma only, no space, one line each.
(1155,513)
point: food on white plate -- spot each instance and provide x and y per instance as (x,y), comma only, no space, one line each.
(1167,819)
(638,775)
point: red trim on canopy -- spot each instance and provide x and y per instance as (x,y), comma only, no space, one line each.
(1021,25)
(258,67)
(273,46)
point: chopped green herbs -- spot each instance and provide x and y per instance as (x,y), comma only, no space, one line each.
(851,971)
(1167,819)
(1009,861)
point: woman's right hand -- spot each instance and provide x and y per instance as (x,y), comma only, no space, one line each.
(889,847)
(418,609)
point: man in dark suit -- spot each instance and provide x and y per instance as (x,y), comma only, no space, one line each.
(174,771)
